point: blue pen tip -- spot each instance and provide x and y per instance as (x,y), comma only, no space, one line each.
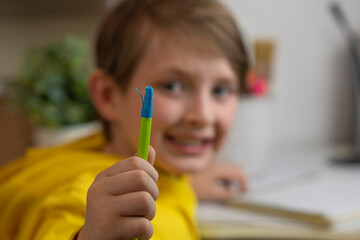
(146,111)
(149,93)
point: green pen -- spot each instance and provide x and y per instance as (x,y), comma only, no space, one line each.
(145,123)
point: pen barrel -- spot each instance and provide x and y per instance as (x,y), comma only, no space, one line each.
(144,138)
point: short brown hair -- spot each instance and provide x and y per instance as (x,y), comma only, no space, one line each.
(125,32)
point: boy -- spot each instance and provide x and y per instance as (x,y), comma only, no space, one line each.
(191,53)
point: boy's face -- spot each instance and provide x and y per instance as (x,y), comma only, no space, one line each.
(195,100)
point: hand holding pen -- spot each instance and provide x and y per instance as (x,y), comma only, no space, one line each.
(219,182)
(121,200)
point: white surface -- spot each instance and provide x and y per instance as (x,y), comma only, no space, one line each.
(250,141)
(308,183)
(312,75)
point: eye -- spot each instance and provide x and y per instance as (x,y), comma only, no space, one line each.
(222,91)
(174,87)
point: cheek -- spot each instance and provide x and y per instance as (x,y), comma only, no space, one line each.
(229,120)
(166,113)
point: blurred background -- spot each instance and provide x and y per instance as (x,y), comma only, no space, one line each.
(311,80)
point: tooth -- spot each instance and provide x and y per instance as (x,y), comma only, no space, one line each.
(189,141)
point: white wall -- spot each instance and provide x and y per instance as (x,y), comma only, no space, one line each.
(312,75)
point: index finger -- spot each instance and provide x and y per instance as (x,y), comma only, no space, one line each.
(130,164)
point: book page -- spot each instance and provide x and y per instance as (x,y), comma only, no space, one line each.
(328,190)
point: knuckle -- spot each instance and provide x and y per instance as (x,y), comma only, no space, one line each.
(136,163)
(142,179)
(151,210)
(157,192)
(145,229)
(148,206)
(156,176)
(146,200)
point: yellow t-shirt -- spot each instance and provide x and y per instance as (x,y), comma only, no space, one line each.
(43,194)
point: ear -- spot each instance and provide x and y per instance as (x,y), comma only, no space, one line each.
(104,94)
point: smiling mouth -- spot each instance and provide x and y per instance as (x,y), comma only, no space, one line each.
(189,146)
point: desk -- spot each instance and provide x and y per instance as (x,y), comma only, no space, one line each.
(218,221)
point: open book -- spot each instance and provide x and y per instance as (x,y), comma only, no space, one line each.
(322,195)
(297,197)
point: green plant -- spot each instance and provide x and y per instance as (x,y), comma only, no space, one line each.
(50,85)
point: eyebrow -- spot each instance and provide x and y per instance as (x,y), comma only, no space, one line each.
(181,72)
(219,78)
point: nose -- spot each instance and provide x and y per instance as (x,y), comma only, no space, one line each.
(200,111)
